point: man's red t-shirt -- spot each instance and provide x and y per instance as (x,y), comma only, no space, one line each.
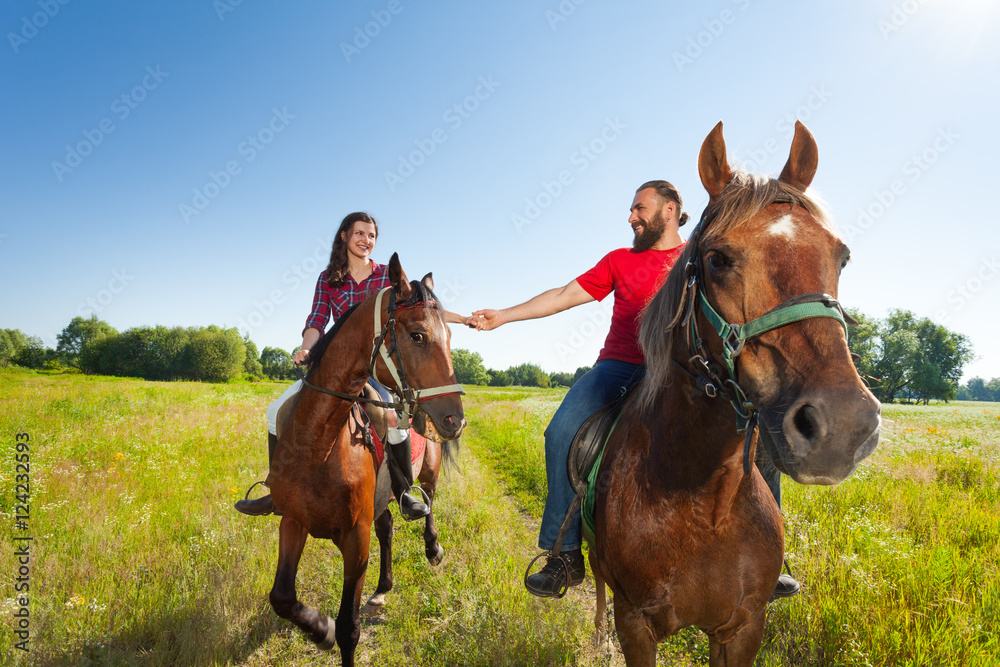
(634,277)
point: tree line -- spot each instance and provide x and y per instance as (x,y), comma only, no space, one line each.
(90,345)
(908,357)
(470,369)
(900,357)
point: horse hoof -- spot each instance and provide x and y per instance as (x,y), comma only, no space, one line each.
(330,640)
(436,557)
(374,605)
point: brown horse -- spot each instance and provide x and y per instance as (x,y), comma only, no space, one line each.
(687,532)
(323,477)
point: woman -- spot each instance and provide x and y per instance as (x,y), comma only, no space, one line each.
(349,279)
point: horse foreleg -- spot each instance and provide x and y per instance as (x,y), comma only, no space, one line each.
(428,482)
(383,530)
(741,650)
(354,548)
(638,645)
(318,627)
(601,608)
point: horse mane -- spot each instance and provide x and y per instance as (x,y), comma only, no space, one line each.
(421,294)
(319,349)
(743,198)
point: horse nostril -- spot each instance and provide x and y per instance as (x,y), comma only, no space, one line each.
(806,421)
(450,420)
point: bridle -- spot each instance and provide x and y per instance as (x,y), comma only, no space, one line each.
(409,397)
(734,336)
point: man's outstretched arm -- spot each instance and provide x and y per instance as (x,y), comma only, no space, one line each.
(547,303)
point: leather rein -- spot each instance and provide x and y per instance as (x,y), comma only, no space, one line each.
(409,397)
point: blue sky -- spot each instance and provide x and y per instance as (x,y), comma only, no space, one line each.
(186,163)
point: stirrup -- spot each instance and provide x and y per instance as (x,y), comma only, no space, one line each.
(426,501)
(565,568)
(254,486)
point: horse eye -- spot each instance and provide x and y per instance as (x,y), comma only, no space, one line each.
(418,338)
(843,264)
(717,261)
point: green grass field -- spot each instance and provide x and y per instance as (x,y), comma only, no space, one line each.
(138,558)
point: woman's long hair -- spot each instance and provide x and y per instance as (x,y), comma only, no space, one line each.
(338,268)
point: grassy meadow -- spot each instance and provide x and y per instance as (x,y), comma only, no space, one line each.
(138,558)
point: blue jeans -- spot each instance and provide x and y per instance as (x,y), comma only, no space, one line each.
(606,381)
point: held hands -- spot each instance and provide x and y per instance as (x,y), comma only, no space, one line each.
(487,320)
(300,357)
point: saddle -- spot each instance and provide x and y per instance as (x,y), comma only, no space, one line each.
(377,427)
(588,445)
(584,460)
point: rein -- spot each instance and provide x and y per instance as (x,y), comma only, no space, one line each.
(734,336)
(409,404)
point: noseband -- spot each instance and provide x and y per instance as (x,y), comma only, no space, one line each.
(735,336)
(409,404)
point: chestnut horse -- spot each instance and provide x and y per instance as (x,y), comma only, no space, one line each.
(687,532)
(323,477)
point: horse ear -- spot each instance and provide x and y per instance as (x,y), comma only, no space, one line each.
(398,279)
(428,281)
(713,166)
(802,159)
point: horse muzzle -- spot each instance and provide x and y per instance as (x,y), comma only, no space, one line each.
(821,439)
(440,425)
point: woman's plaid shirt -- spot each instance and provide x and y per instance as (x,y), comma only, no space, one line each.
(335,301)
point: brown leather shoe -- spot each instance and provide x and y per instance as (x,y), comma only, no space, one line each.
(258,507)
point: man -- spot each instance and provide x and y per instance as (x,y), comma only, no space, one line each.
(633,274)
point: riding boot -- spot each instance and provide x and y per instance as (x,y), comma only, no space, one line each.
(261,506)
(401,476)
(787,585)
(560,572)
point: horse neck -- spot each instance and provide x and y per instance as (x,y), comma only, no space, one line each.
(692,436)
(344,368)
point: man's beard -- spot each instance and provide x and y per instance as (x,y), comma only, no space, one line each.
(651,233)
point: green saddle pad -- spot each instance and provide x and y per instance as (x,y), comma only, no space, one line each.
(590,497)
